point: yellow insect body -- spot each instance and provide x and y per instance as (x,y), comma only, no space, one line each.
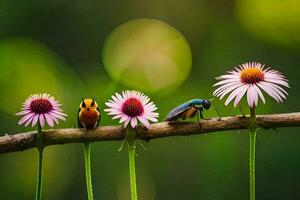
(89,114)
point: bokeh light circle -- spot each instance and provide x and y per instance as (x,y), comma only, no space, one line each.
(274,20)
(147,54)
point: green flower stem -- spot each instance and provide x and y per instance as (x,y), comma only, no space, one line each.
(131,139)
(88,174)
(40,147)
(252,135)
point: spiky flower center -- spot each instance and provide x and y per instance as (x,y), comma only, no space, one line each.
(41,106)
(252,75)
(132,107)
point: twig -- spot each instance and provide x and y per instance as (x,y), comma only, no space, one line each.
(23,141)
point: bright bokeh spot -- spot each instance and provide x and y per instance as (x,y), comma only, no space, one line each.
(28,66)
(274,20)
(148,55)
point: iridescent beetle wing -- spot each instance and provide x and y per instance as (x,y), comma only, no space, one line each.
(178,111)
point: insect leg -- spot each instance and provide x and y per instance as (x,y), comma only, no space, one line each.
(143,146)
(198,117)
(201,114)
(122,145)
(242,111)
(217,112)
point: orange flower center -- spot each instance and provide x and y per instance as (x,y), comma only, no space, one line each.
(252,75)
(133,107)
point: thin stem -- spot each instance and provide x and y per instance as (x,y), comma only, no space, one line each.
(252,140)
(131,139)
(88,174)
(40,147)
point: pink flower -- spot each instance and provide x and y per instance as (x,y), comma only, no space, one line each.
(251,78)
(42,108)
(132,106)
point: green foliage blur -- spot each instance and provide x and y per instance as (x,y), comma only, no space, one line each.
(58,47)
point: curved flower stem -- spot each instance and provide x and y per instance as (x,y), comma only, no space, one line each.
(131,139)
(88,174)
(40,147)
(253,127)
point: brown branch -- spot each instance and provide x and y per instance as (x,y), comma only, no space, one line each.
(23,141)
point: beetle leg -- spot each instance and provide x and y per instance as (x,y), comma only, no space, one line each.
(201,114)
(198,117)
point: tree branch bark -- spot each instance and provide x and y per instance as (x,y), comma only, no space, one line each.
(23,141)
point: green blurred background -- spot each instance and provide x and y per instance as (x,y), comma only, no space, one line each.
(75,49)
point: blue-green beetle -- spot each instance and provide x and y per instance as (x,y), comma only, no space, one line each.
(188,110)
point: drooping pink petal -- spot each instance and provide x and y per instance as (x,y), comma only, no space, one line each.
(49,120)
(250,98)
(240,94)
(225,81)
(58,116)
(133,122)
(224,87)
(232,96)
(24,112)
(35,119)
(270,92)
(118,116)
(259,93)
(112,105)
(123,118)
(59,113)
(150,118)
(228,90)
(255,96)
(113,111)
(274,88)
(29,121)
(127,122)
(144,121)
(42,120)
(54,119)
(25,118)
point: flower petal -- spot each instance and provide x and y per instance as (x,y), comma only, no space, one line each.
(270,92)
(144,121)
(49,120)
(35,119)
(133,122)
(42,120)
(233,95)
(127,122)
(25,118)
(240,94)
(24,112)
(260,93)
(29,121)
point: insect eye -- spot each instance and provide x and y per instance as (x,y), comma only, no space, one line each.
(93,103)
(83,104)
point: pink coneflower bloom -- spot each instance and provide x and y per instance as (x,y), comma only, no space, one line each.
(42,108)
(251,78)
(132,106)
